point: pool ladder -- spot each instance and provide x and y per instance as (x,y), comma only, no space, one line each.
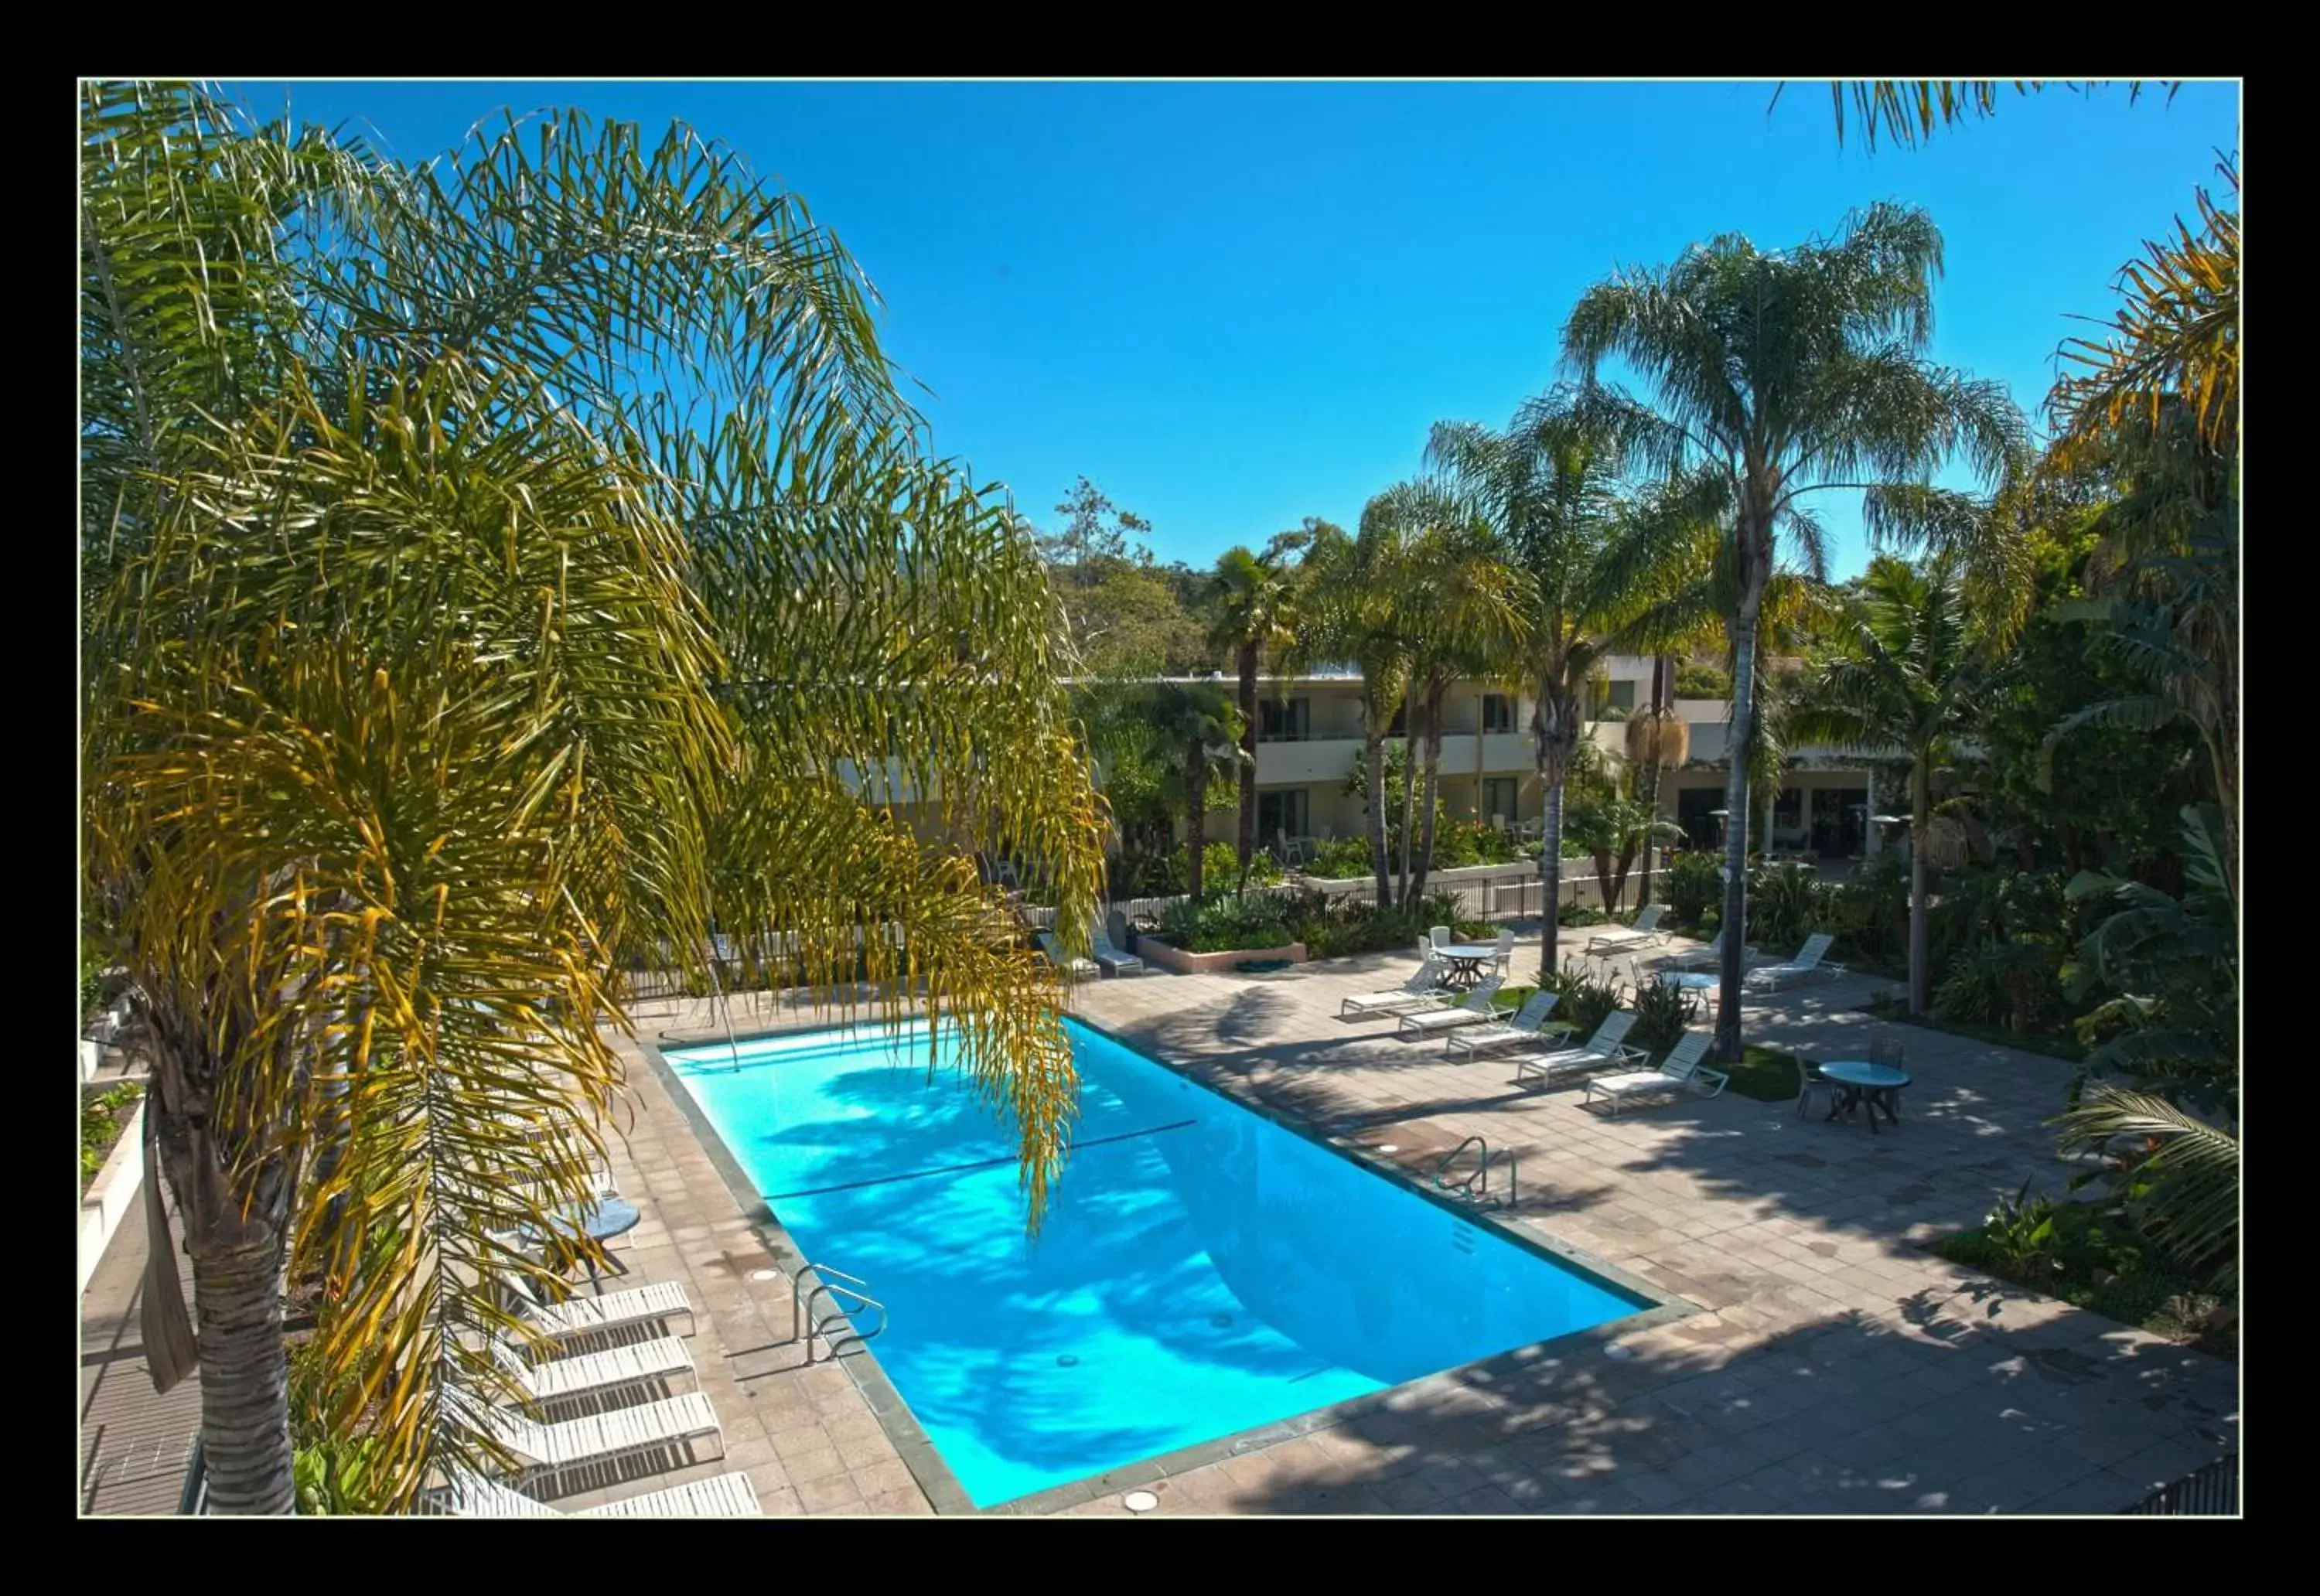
(839,1288)
(1474,1185)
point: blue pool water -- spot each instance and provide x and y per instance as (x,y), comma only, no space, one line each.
(1201,1270)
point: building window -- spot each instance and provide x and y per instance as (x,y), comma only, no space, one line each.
(1498,712)
(1397,726)
(1283,720)
(1614,695)
(1280,813)
(1498,799)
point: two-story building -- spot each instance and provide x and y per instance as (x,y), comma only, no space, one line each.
(1310,742)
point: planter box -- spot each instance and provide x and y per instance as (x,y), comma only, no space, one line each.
(1161,956)
(111,1194)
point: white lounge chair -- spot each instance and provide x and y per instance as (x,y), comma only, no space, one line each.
(1112,961)
(1503,963)
(1476,1008)
(1607,1047)
(658,1304)
(549,1449)
(1807,963)
(640,1363)
(1646,929)
(727,1496)
(1423,990)
(1711,953)
(1071,965)
(1529,1021)
(1681,1070)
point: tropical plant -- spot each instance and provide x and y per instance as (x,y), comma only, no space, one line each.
(1354,604)
(2020,1233)
(1250,600)
(1776,375)
(1908,111)
(1909,674)
(1582,998)
(1201,729)
(1664,1012)
(1549,484)
(2182,1183)
(1786,904)
(1694,884)
(575,678)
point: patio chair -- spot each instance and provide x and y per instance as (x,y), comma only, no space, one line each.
(1607,1047)
(656,1303)
(1503,963)
(1439,937)
(1423,990)
(1110,959)
(549,1450)
(1807,963)
(1681,1070)
(1813,1081)
(1527,1026)
(1476,1008)
(1071,965)
(727,1496)
(640,1363)
(1646,929)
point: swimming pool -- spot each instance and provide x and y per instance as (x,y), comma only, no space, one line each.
(1202,1271)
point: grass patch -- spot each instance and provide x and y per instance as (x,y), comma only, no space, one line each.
(1767,1074)
(2051,1046)
(2086,1253)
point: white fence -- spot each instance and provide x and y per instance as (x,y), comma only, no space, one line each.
(1485,891)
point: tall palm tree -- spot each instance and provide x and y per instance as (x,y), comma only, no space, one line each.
(1780,374)
(1353,601)
(1251,596)
(435,658)
(1658,738)
(1200,732)
(1909,111)
(1549,485)
(1908,673)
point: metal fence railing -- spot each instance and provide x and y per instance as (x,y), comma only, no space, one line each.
(2214,1490)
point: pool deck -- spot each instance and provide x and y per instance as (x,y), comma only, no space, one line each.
(1820,1363)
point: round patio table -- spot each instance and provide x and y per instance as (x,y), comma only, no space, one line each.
(601,1220)
(1466,960)
(1870,1085)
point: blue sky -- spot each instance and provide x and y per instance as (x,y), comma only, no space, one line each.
(1235,304)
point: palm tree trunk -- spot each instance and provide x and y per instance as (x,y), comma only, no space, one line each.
(1735,922)
(1433,777)
(1373,756)
(1196,817)
(1247,842)
(1920,919)
(1409,756)
(1651,774)
(235,1232)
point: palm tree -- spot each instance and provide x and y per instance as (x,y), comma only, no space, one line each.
(434,661)
(1199,724)
(1781,375)
(1906,112)
(1908,674)
(1549,485)
(1251,596)
(1657,739)
(1353,605)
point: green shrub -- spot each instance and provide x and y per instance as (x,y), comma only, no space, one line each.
(1583,999)
(1460,844)
(1226,923)
(1663,1014)
(1700,680)
(101,1117)
(1342,858)
(1870,912)
(1573,914)
(1690,886)
(1786,904)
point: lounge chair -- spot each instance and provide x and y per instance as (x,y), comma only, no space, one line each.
(1110,959)
(1646,929)
(1475,1009)
(640,1363)
(549,1449)
(1528,1023)
(1681,1070)
(1607,1047)
(1070,965)
(656,1304)
(727,1496)
(1712,953)
(1807,963)
(1423,990)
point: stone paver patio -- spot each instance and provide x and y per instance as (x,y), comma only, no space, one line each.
(1826,1366)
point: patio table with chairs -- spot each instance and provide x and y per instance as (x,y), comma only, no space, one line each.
(1872,1084)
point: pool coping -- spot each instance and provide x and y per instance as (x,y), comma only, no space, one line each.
(917,1450)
